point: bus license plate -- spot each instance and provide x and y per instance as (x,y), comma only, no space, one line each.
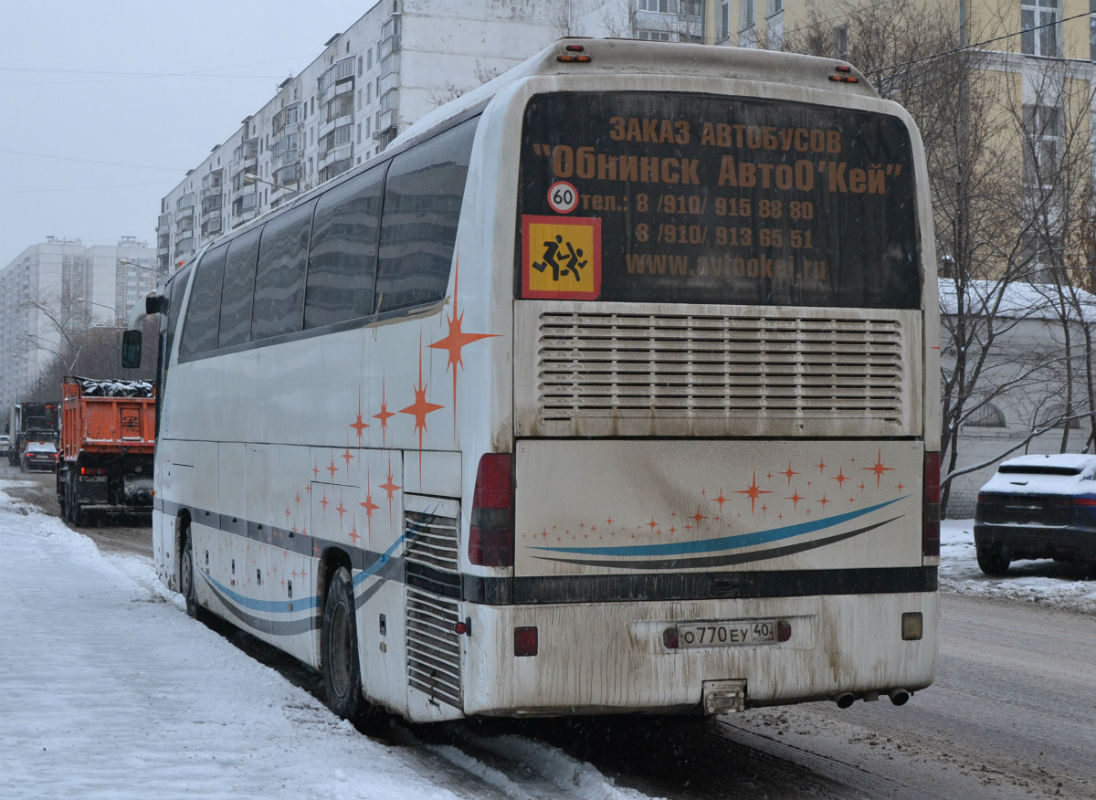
(727,633)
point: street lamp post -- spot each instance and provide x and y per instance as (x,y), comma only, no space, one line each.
(113,311)
(251,177)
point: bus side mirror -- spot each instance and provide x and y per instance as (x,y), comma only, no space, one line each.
(131,349)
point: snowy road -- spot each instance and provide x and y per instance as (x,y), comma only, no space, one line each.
(108,690)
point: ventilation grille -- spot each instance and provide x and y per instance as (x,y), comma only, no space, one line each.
(433,647)
(432,545)
(619,365)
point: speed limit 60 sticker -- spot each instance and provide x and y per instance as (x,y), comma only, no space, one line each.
(562,197)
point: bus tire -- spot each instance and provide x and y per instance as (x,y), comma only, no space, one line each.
(339,649)
(186,578)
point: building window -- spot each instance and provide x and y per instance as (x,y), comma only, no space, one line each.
(725,20)
(1039,28)
(987,415)
(1042,144)
(654,36)
(659,6)
(748,18)
(1092,30)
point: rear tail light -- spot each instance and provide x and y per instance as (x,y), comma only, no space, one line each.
(1086,502)
(491,533)
(93,470)
(930,534)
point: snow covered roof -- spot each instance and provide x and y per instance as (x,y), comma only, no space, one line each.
(1017,300)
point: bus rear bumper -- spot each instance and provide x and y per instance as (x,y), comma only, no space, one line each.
(608,659)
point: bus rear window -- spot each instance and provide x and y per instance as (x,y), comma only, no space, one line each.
(695,198)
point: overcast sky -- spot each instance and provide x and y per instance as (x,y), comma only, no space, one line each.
(107,103)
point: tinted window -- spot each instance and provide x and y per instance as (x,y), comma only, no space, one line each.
(279,282)
(203,310)
(694,198)
(239,289)
(175,289)
(422,202)
(342,261)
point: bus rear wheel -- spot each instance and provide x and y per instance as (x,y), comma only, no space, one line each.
(186,577)
(339,649)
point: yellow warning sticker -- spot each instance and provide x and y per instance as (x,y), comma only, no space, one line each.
(561,257)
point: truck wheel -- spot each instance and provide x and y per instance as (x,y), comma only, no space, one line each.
(993,559)
(77,516)
(62,493)
(339,649)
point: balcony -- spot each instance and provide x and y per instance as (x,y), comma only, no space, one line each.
(212,226)
(341,152)
(342,70)
(211,202)
(184,206)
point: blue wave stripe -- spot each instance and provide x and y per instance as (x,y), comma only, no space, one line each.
(304,603)
(375,567)
(723,542)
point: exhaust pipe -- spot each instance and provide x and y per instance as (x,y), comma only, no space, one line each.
(845,700)
(899,697)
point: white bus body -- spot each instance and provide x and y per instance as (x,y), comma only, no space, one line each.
(562,470)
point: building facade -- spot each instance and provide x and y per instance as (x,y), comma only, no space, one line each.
(59,287)
(400,60)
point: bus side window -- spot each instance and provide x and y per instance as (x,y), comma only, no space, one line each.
(239,289)
(279,282)
(422,202)
(204,309)
(342,258)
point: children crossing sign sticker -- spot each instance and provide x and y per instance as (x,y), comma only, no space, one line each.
(561,257)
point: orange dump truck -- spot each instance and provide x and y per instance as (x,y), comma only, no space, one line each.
(108,433)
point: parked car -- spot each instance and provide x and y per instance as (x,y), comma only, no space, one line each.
(40,455)
(1038,506)
(5,442)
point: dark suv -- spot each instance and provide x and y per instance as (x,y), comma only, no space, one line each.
(1037,507)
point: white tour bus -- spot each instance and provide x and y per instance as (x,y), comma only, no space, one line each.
(608,387)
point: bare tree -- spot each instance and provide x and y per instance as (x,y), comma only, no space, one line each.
(995,224)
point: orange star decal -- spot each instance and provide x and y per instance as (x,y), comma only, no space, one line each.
(358,425)
(879,469)
(384,415)
(789,473)
(753,491)
(420,408)
(369,505)
(390,487)
(457,339)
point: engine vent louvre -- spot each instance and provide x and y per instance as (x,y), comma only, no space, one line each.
(433,648)
(621,365)
(431,555)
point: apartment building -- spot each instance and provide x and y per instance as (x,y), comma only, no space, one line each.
(398,61)
(61,286)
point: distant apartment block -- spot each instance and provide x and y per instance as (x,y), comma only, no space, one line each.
(400,60)
(61,286)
